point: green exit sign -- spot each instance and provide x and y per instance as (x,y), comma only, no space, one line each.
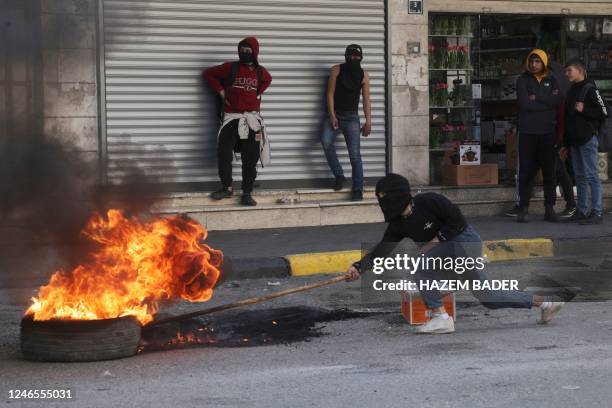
(415,7)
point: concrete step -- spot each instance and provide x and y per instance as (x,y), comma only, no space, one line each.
(282,215)
(316,207)
(327,213)
(304,196)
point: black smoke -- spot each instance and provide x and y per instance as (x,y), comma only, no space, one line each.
(48,192)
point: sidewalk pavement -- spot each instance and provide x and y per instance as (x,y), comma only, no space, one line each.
(315,250)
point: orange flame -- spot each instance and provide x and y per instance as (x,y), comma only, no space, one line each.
(136,265)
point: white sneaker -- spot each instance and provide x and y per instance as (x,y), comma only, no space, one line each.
(550,312)
(437,325)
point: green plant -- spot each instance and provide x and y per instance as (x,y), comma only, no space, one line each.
(431,51)
(452,27)
(443,25)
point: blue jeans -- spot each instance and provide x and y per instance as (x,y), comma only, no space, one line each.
(468,244)
(349,125)
(586,171)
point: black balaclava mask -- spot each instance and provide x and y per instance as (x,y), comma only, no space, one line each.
(246,57)
(396,197)
(352,74)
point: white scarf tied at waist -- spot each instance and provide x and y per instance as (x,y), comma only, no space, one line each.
(248,121)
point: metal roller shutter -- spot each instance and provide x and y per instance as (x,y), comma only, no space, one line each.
(161,118)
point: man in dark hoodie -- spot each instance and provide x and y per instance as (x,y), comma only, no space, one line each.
(438,226)
(242,123)
(538,97)
(346,82)
(584,110)
(563,179)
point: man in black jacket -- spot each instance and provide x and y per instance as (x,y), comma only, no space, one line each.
(563,179)
(538,96)
(584,110)
(434,222)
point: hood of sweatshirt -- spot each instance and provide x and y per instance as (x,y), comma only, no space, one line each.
(254,44)
(544,57)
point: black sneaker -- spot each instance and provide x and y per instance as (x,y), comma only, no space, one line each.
(246,199)
(567,213)
(521,215)
(222,193)
(592,220)
(577,217)
(357,195)
(339,183)
(513,212)
(550,216)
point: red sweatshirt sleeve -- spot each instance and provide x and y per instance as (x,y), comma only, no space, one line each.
(266,80)
(214,75)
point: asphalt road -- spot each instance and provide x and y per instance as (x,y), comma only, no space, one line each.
(497,358)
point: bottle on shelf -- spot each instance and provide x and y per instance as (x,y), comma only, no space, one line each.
(476,127)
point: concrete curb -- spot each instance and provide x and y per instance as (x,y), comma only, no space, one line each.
(514,249)
(321,262)
(318,263)
(253,268)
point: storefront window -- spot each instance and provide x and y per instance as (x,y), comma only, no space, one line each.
(474,62)
(450,88)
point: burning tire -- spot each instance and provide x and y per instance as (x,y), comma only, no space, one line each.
(79,340)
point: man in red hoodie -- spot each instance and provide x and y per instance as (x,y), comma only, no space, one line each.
(242,125)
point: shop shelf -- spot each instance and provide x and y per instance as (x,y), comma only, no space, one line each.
(499,101)
(452,107)
(506,37)
(451,69)
(488,51)
(498,78)
(451,35)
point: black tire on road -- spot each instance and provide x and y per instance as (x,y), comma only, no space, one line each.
(79,340)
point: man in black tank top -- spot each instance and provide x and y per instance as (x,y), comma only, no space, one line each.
(347,82)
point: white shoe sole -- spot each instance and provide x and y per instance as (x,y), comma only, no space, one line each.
(445,330)
(550,313)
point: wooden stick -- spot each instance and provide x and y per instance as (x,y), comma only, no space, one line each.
(245,302)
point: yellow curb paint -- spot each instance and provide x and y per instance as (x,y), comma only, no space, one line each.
(321,262)
(495,251)
(513,249)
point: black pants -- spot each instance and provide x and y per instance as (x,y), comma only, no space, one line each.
(249,154)
(536,152)
(564,180)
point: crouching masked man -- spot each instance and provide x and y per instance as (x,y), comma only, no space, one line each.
(240,85)
(437,225)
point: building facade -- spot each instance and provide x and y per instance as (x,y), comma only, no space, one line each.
(118,81)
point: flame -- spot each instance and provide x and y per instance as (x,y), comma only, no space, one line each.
(136,265)
(182,339)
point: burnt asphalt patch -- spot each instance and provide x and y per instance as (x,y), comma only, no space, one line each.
(247,328)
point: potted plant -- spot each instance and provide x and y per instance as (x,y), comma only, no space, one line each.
(431,50)
(451,28)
